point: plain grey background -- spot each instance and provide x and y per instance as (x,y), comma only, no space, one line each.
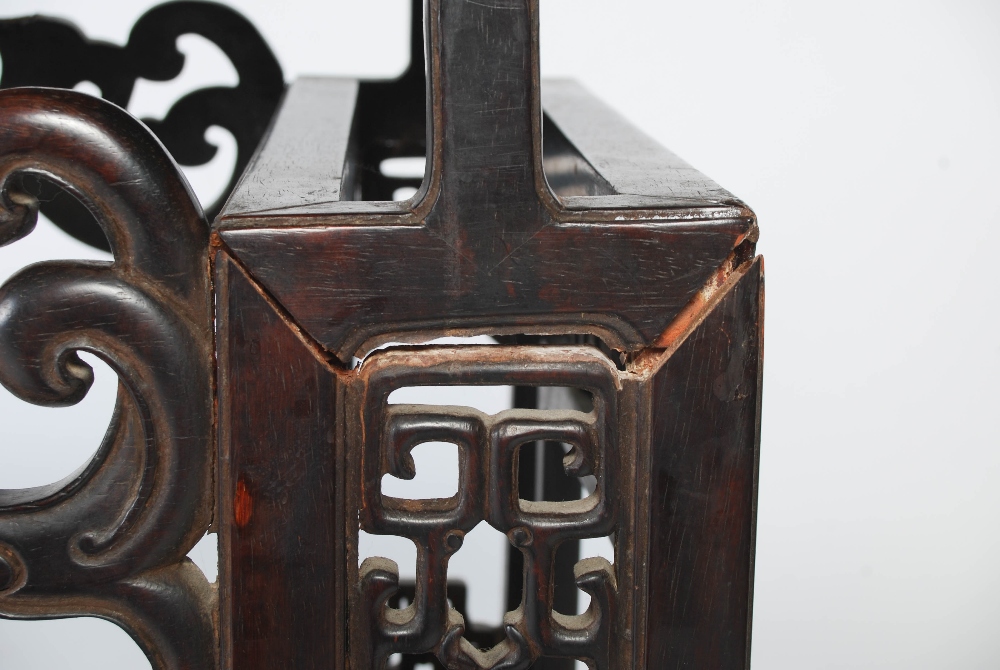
(865,135)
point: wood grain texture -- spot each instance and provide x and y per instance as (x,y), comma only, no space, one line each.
(354,287)
(704,444)
(280,521)
(635,249)
(486,245)
(568,236)
(302,165)
(630,161)
(111,540)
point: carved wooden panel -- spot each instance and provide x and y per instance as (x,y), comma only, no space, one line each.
(111,540)
(636,251)
(44,51)
(489,450)
(601,263)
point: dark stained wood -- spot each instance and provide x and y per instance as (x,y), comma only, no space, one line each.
(280,489)
(302,171)
(622,241)
(704,437)
(607,268)
(567,172)
(488,248)
(637,169)
(111,539)
(542,477)
(347,286)
(489,450)
(44,51)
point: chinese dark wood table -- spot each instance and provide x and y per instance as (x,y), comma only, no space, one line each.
(254,376)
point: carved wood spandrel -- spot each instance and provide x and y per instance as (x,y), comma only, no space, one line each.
(111,540)
(46,51)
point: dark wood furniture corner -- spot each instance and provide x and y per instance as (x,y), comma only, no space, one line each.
(600,262)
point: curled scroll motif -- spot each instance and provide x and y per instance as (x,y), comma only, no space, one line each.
(42,51)
(111,540)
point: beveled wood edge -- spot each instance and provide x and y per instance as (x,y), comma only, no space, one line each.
(302,163)
(615,332)
(644,369)
(225,267)
(644,173)
(762,282)
(742,220)
(654,185)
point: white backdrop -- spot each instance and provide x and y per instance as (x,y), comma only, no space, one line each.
(865,135)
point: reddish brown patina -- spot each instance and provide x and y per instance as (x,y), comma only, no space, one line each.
(606,268)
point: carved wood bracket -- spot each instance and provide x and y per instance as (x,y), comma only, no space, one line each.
(111,540)
(44,51)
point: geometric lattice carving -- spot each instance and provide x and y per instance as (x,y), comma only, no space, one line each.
(488,448)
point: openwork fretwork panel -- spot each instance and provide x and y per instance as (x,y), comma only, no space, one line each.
(488,448)
(240,409)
